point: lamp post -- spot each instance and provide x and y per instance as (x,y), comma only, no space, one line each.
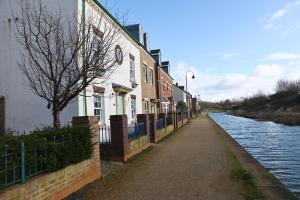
(186,82)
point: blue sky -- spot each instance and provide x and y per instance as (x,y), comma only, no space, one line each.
(234,47)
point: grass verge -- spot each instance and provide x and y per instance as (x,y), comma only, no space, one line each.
(250,191)
(145,151)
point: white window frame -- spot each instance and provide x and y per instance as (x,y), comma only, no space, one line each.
(95,46)
(133,107)
(132,68)
(151,73)
(145,72)
(146,105)
(163,85)
(99,107)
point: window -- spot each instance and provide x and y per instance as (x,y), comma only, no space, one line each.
(162,84)
(132,68)
(99,107)
(167,86)
(133,107)
(96,54)
(165,108)
(146,107)
(151,77)
(145,73)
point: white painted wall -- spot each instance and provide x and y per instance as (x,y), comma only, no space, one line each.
(120,76)
(24,110)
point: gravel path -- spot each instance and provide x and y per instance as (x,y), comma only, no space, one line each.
(192,164)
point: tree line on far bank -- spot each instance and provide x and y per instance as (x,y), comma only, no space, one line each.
(283,106)
(286,92)
(284,89)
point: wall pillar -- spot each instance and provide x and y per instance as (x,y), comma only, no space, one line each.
(153,120)
(92,123)
(119,137)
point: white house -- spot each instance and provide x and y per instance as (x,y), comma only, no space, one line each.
(121,94)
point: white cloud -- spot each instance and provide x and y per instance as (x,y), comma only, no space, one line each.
(269,70)
(283,56)
(288,9)
(214,87)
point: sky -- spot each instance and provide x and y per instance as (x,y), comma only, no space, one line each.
(235,48)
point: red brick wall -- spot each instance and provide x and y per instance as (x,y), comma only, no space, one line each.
(164,86)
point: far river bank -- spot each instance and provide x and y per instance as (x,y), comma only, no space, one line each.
(286,118)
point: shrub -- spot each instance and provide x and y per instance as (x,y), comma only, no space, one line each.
(45,150)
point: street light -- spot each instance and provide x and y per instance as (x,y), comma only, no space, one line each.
(193,77)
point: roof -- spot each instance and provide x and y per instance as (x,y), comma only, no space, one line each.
(120,25)
(155,51)
(165,71)
(165,63)
(121,88)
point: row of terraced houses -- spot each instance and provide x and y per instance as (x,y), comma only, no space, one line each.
(141,83)
(121,116)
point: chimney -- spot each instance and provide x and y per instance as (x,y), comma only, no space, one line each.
(181,87)
(166,66)
(137,31)
(156,54)
(146,42)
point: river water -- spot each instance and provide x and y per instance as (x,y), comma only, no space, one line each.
(275,146)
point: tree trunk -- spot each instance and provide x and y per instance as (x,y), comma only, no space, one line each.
(56,119)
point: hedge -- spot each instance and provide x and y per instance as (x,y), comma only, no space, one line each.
(45,150)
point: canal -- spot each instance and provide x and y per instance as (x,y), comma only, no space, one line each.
(275,146)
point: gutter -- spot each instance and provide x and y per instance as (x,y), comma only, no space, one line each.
(83,54)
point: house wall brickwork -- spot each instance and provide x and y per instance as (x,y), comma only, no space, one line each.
(164,88)
(149,86)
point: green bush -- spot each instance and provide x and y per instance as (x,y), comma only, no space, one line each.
(46,150)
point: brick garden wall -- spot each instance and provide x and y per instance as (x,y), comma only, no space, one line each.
(164,132)
(60,184)
(137,146)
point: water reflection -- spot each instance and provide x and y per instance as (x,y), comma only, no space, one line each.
(275,146)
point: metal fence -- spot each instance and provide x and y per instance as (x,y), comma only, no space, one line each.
(160,124)
(136,130)
(185,116)
(169,121)
(179,117)
(21,161)
(105,134)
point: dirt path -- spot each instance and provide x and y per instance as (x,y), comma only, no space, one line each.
(192,164)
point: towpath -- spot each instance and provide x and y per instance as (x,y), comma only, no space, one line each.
(192,164)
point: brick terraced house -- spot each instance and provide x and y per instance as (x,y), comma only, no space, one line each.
(164,88)
(147,69)
(141,83)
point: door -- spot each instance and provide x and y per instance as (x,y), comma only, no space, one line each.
(120,105)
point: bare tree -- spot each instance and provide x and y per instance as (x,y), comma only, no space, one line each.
(287,86)
(63,56)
